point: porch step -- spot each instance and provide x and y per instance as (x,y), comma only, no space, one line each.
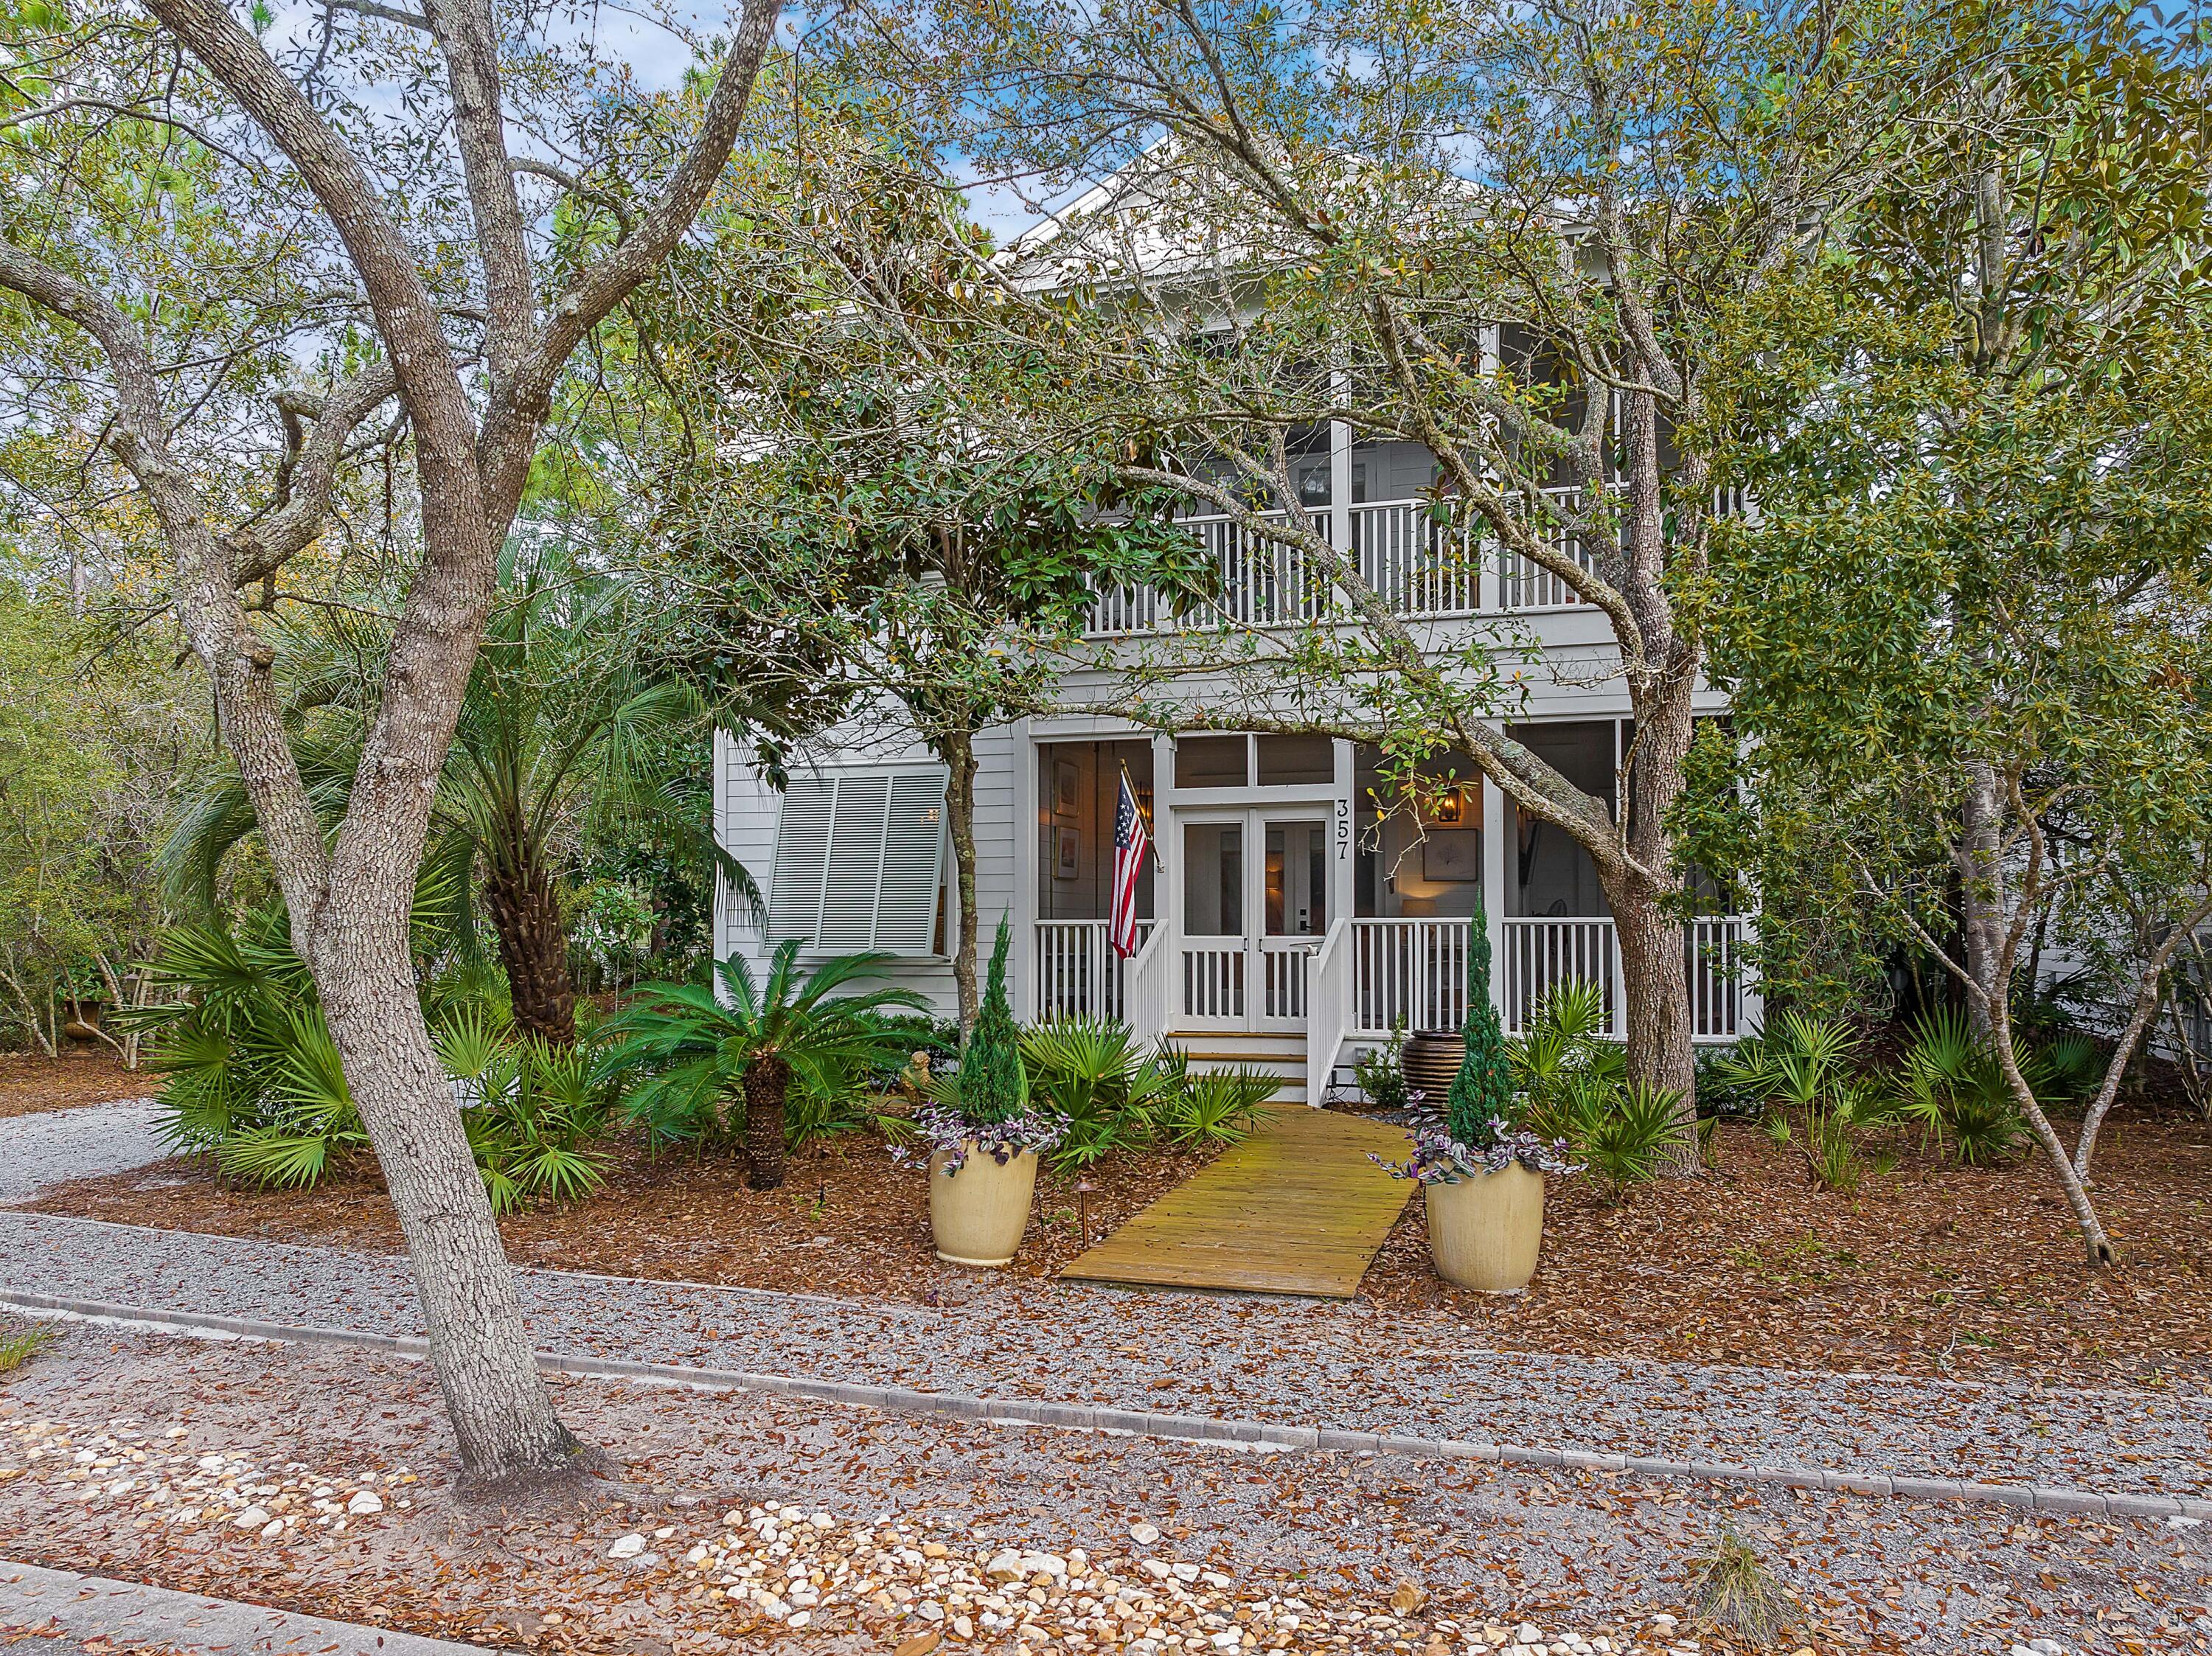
(1282,1054)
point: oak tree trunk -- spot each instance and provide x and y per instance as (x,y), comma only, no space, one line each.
(525,910)
(1981,899)
(1656,1008)
(958,751)
(766,1080)
(502,1416)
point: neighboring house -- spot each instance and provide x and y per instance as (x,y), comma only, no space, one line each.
(1295,915)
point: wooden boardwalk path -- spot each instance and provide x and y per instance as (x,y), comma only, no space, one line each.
(1297,1208)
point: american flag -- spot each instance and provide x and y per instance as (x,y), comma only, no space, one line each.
(1131,842)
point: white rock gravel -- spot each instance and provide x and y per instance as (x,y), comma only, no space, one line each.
(797,1568)
(1372,1545)
(154,1474)
(46,1149)
(1291,1362)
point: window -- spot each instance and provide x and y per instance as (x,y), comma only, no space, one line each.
(860,857)
(1212,761)
(1296,761)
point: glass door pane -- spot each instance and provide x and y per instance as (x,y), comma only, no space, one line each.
(1295,887)
(1213,879)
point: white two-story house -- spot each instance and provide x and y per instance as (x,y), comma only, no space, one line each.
(1298,911)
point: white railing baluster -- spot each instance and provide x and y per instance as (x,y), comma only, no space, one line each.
(1077,974)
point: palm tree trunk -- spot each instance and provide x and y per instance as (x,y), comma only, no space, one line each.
(765,1081)
(533,946)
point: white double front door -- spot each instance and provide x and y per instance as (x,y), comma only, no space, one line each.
(1256,890)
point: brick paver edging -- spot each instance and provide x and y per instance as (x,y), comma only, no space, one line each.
(1199,1428)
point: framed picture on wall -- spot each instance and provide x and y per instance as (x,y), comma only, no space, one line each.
(1067,853)
(1066,787)
(1453,854)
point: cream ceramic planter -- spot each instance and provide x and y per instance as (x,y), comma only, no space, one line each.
(978,1214)
(1484,1231)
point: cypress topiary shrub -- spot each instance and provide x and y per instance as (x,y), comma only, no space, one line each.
(993,1086)
(1480,1105)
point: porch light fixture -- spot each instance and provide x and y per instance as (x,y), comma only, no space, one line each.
(1450,808)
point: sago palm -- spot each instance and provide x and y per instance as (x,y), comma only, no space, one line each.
(698,1053)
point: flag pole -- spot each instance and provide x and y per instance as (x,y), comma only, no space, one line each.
(1152,833)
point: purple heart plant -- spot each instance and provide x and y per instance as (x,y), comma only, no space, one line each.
(1440,1159)
(938,1125)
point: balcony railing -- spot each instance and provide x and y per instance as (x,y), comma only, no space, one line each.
(1419,567)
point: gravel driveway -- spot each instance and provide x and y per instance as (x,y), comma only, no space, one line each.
(79,1143)
(1299,1363)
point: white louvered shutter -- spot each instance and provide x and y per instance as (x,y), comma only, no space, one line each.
(913,863)
(856,865)
(802,852)
(860,859)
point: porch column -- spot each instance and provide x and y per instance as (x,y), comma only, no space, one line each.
(1167,879)
(1022,989)
(1343,829)
(1485,550)
(1497,825)
(1340,472)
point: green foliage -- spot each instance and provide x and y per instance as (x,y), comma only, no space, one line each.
(252,1077)
(1568,1073)
(994,1086)
(1574,1086)
(1950,1084)
(571,752)
(1089,1070)
(535,1113)
(841,1093)
(1480,1100)
(93,733)
(1380,1073)
(1984,412)
(1117,1098)
(1633,1139)
(682,1051)
(1216,1106)
(17,1349)
(1802,1065)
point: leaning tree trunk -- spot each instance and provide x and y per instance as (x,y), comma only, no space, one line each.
(502,1418)
(958,751)
(765,1082)
(525,910)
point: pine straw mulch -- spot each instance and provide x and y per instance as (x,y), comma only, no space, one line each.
(33,1085)
(849,1220)
(1929,1269)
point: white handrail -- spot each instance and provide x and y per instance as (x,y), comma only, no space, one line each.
(1146,982)
(1329,987)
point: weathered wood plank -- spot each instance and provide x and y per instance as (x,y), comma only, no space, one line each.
(1296,1209)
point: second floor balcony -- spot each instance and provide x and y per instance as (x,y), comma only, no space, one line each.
(1419,567)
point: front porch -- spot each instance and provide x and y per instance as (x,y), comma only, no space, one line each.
(1298,914)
